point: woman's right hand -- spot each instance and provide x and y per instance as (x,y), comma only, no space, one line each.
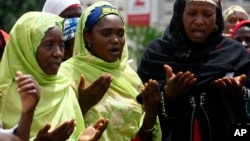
(91,95)
(177,84)
(94,131)
(29,91)
(61,133)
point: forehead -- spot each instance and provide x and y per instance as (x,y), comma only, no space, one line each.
(111,19)
(71,12)
(237,15)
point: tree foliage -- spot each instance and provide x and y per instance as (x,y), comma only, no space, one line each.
(139,38)
(11,10)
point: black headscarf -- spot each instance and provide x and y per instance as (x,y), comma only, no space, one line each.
(208,60)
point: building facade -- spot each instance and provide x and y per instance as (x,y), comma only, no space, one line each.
(161,10)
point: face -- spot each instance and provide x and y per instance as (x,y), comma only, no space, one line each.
(243,36)
(71,12)
(106,38)
(69,48)
(232,20)
(200,19)
(50,52)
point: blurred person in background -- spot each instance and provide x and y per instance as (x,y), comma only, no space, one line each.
(233,15)
(71,10)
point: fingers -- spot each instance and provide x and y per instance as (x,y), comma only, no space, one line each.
(102,84)
(19,73)
(100,127)
(169,72)
(26,84)
(151,90)
(64,130)
(101,124)
(82,82)
(45,129)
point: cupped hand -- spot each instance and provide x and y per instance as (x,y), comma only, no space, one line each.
(93,94)
(61,133)
(177,84)
(151,96)
(94,131)
(232,86)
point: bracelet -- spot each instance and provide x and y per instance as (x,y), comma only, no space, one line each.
(246,93)
(148,130)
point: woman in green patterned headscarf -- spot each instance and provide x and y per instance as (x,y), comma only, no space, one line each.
(100,49)
(58,102)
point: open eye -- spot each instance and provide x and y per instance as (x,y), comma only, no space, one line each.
(105,33)
(62,45)
(120,33)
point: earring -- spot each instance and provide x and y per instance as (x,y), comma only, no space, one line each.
(215,28)
(89,45)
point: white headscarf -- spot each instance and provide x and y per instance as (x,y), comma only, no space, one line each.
(58,6)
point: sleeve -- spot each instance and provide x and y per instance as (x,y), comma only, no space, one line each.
(7,131)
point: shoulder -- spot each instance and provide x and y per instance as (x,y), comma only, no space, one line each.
(230,43)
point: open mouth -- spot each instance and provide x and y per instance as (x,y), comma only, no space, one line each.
(198,33)
(115,51)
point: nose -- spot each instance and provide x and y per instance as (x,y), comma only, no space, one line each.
(238,21)
(58,52)
(199,20)
(115,39)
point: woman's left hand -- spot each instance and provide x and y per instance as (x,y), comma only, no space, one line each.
(151,96)
(232,86)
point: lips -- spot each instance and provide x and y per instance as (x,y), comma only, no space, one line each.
(198,33)
(115,51)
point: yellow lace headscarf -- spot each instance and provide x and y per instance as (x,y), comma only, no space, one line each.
(58,101)
(234,8)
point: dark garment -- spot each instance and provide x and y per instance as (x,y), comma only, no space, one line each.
(214,110)
(209,60)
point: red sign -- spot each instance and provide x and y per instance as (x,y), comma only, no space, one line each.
(138,12)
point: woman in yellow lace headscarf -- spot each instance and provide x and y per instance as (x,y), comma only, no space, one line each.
(58,102)
(233,15)
(118,103)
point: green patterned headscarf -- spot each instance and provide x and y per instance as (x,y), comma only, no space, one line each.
(119,102)
(58,102)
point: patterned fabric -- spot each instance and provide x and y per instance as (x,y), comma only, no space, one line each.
(234,8)
(214,2)
(69,29)
(58,102)
(119,103)
(98,13)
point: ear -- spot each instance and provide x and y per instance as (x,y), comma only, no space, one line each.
(87,37)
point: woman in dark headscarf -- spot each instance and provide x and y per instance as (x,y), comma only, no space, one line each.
(201,74)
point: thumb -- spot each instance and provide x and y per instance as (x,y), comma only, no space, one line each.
(243,78)
(169,72)
(18,73)
(45,129)
(82,82)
